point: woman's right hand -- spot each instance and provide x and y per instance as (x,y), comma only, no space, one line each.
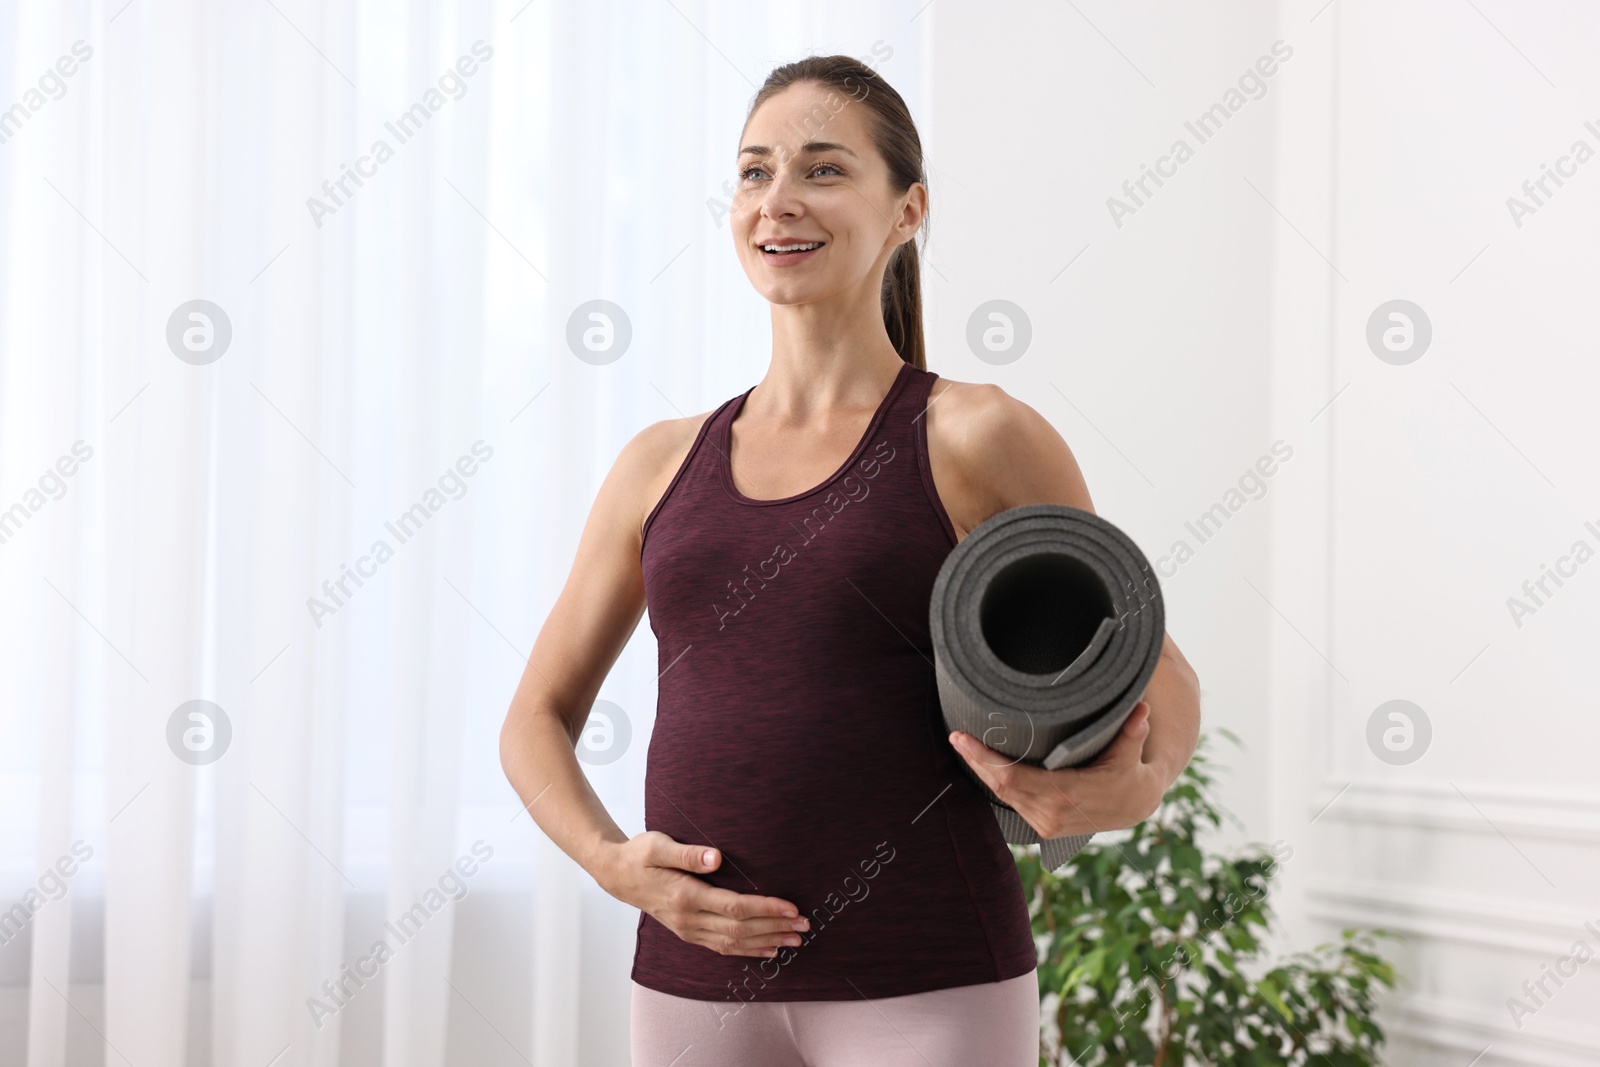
(656,874)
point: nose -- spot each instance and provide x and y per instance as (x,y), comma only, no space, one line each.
(782,199)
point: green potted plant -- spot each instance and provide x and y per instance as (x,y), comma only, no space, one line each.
(1150,953)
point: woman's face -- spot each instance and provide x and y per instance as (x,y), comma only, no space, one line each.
(810,176)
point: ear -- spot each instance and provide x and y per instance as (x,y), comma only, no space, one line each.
(913,209)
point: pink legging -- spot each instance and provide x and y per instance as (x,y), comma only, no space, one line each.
(991,1025)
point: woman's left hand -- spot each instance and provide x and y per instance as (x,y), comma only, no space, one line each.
(1116,791)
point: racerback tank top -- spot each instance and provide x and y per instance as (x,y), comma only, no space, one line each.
(798,727)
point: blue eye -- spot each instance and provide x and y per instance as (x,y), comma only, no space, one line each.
(744,175)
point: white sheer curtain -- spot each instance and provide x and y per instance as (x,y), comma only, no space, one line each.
(182,522)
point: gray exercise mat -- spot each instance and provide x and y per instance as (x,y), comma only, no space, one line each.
(1047,624)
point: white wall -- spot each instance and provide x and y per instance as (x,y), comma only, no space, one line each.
(1226,315)
(1437,487)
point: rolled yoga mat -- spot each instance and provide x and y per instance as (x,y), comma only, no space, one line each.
(1047,624)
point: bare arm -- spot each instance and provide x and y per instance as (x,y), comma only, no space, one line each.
(991,452)
(596,612)
(575,650)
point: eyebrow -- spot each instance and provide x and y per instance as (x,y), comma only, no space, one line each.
(809,148)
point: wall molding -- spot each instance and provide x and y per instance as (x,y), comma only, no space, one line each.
(1539,928)
(1434,805)
(1386,814)
(1462,1027)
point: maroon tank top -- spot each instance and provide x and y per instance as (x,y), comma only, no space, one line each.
(798,727)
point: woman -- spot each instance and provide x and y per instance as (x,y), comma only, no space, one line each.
(820,882)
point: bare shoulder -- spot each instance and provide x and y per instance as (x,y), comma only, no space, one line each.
(991,451)
(649,461)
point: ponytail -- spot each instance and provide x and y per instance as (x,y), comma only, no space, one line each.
(902,304)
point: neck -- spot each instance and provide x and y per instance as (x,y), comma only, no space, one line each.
(825,356)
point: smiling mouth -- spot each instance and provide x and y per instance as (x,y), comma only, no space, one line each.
(791,248)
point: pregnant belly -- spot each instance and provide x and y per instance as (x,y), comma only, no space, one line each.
(792,805)
(864,820)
